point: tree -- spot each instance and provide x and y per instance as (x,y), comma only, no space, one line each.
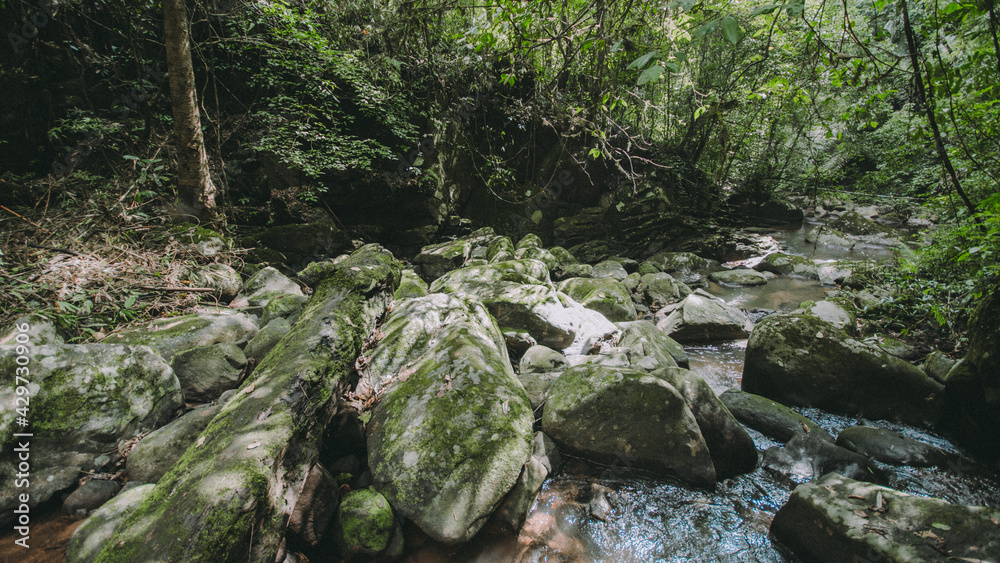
(196,191)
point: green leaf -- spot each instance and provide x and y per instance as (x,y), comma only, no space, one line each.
(795,7)
(652,73)
(706,29)
(941,526)
(130,157)
(672,67)
(731,30)
(765,9)
(643,60)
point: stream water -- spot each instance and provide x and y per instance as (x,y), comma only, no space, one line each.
(657,520)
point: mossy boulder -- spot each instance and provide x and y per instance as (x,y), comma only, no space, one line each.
(206,241)
(649,348)
(788,265)
(609,269)
(264,286)
(366,528)
(94,533)
(738,276)
(801,360)
(474,279)
(85,398)
(300,244)
(229,496)
(838,312)
(287,306)
(830,520)
(610,414)
(156,453)
(437,259)
(410,285)
(266,339)
(39,331)
(500,249)
(204,372)
(683,266)
(541,359)
(769,417)
(662,289)
(538,253)
(701,317)
(575,271)
(513,510)
(853,223)
(937,365)
(170,335)
(829,236)
(605,295)
(530,240)
(450,436)
(889,447)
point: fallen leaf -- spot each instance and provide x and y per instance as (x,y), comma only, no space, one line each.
(861,513)
(264,414)
(253,444)
(819,335)
(405,373)
(505,407)
(355,269)
(805,428)
(994,520)
(927,534)
(941,526)
(859,497)
(200,441)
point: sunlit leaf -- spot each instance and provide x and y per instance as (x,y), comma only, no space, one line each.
(731,30)
(652,73)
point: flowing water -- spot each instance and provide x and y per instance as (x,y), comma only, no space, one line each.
(657,520)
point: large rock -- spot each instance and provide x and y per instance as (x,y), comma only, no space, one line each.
(809,456)
(155,454)
(801,360)
(789,265)
(438,259)
(168,336)
(837,519)
(94,533)
(366,528)
(738,276)
(230,496)
(450,436)
(648,348)
(89,497)
(838,313)
(769,417)
(618,414)
(204,372)
(662,289)
(264,286)
(732,449)
(889,447)
(605,295)
(84,399)
(266,339)
(410,285)
(701,317)
(472,279)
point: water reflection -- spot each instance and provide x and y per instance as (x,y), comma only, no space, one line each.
(793,241)
(778,294)
(720,364)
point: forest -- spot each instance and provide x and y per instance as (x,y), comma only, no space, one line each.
(496,280)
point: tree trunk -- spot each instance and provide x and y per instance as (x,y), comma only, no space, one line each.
(195,189)
(926,100)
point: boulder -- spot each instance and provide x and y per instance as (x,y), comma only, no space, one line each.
(500,249)
(438,259)
(450,436)
(838,313)
(893,346)
(530,240)
(473,279)
(93,534)
(609,269)
(266,339)
(838,519)
(701,317)
(89,497)
(541,359)
(769,417)
(85,399)
(37,331)
(648,348)
(410,285)
(738,276)
(156,453)
(288,306)
(366,528)
(315,506)
(204,372)
(853,223)
(835,272)
(575,271)
(662,289)
(619,414)
(801,360)
(937,365)
(264,286)
(232,493)
(171,335)
(789,265)
(513,510)
(732,449)
(540,254)
(205,241)
(226,281)
(809,456)
(605,295)
(889,447)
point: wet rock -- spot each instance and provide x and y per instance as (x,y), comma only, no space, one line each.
(94,533)
(604,295)
(204,372)
(599,505)
(835,272)
(662,289)
(808,456)
(732,449)
(513,510)
(619,414)
(769,417)
(838,519)
(366,528)
(450,436)
(701,317)
(742,244)
(648,348)
(168,336)
(889,447)
(801,360)
(155,454)
(89,497)
(738,276)
(85,399)
(828,236)
(789,265)
(266,339)
(264,286)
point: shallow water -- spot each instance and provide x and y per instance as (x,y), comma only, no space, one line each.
(720,364)
(793,241)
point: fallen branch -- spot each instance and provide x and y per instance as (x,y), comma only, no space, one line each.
(194,289)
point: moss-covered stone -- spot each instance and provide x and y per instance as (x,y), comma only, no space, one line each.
(227,498)
(168,336)
(266,339)
(366,528)
(264,286)
(206,241)
(789,265)
(40,331)
(802,360)
(830,521)
(889,447)
(622,415)
(152,457)
(500,249)
(410,285)
(609,269)
(738,276)
(222,278)
(662,289)
(204,372)
(649,348)
(475,278)
(530,240)
(769,417)
(604,295)
(700,317)
(94,533)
